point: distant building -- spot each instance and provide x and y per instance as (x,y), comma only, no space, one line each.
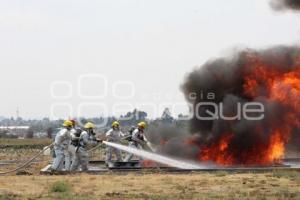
(19,131)
(14,127)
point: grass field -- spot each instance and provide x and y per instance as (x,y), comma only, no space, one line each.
(276,185)
(24,143)
(144,185)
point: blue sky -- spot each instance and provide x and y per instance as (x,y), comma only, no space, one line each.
(150,43)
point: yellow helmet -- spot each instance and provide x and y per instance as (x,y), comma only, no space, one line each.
(142,125)
(68,123)
(89,125)
(115,124)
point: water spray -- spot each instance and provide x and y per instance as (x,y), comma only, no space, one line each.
(155,157)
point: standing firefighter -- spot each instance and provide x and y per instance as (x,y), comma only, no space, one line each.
(70,151)
(137,139)
(62,141)
(82,140)
(113,135)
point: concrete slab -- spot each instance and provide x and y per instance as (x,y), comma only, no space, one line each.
(99,167)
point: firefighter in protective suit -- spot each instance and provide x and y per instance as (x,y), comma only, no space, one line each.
(137,139)
(70,151)
(61,143)
(113,135)
(82,141)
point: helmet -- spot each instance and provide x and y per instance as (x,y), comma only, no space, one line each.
(115,124)
(67,123)
(142,125)
(89,125)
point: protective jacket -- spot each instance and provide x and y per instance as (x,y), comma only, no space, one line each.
(137,141)
(61,144)
(85,141)
(115,136)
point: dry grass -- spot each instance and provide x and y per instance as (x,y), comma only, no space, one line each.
(24,142)
(153,186)
(220,185)
(22,150)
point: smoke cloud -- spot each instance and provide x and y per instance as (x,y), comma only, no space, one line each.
(268,76)
(170,140)
(285,5)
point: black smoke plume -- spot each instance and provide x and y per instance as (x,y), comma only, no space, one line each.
(226,78)
(285,4)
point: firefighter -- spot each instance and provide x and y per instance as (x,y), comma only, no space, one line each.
(70,151)
(113,135)
(85,139)
(75,142)
(137,139)
(61,143)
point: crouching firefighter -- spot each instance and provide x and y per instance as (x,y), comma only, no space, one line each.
(82,140)
(61,144)
(137,139)
(113,135)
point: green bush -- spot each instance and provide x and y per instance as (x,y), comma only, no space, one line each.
(8,196)
(221,173)
(60,187)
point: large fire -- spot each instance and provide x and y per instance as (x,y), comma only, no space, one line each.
(283,88)
(220,87)
(261,79)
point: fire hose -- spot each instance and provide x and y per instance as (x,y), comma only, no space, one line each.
(28,162)
(96,147)
(147,143)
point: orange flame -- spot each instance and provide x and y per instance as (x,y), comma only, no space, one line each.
(148,164)
(276,148)
(274,85)
(218,152)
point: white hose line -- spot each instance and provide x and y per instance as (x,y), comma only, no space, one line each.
(96,147)
(156,157)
